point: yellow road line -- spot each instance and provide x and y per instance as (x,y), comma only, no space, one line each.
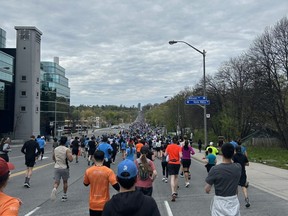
(35,168)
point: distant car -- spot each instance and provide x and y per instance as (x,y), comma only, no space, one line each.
(115,127)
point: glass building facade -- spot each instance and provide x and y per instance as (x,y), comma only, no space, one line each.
(55,98)
(6,92)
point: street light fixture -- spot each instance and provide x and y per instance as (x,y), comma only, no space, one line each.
(203,53)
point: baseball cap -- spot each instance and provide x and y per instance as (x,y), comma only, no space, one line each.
(5,167)
(127,169)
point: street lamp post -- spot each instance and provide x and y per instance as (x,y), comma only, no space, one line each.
(203,53)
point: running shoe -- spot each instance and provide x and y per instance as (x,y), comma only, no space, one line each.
(64,198)
(247,202)
(173,197)
(163,179)
(187,184)
(53,194)
(166,180)
(27,185)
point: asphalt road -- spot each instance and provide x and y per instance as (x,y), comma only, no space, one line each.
(191,201)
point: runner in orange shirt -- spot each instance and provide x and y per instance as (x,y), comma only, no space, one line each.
(9,206)
(99,177)
(138,148)
(174,153)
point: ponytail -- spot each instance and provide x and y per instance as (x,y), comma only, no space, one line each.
(145,163)
(186,145)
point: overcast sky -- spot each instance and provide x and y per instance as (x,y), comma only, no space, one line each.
(117,52)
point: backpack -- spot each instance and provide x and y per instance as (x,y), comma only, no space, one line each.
(143,172)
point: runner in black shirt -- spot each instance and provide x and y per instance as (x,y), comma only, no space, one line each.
(31,150)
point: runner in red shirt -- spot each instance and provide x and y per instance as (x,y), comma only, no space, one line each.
(174,154)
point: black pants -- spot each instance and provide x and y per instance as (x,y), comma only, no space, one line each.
(95,213)
(145,191)
(114,155)
(164,168)
(209,166)
(5,157)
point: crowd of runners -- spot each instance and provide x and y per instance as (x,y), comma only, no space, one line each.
(139,148)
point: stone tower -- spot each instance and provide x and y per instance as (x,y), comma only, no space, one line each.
(27,82)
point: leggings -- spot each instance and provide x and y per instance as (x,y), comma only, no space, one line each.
(164,168)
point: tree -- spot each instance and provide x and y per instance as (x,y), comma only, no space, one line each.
(270,58)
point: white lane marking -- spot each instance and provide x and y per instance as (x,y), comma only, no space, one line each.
(31,212)
(168,209)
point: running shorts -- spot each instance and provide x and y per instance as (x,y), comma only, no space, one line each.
(61,173)
(186,163)
(173,169)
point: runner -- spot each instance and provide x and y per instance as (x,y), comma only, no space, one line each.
(146,172)
(174,153)
(75,148)
(61,156)
(99,177)
(130,152)
(5,148)
(41,141)
(123,146)
(210,159)
(8,205)
(55,143)
(82,145)
(138,147)
(128,201)
(107,149)
(187,151)
(214,149)
(31,150)
(158,148)
(91,149)
(200,145)
(225,178)
(181,143)
(164,165)
(240,158)
(114,146)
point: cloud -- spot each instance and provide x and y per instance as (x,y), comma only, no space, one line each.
(117,52)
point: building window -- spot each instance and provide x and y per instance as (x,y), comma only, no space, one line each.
(37,109)
(24,34)
(23,94)
(37,95)
(23,78)
(22,109)
(37,80)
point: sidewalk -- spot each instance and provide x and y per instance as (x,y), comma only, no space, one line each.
(272,180)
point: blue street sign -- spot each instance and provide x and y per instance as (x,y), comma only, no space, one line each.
(197,98)
(197,102)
